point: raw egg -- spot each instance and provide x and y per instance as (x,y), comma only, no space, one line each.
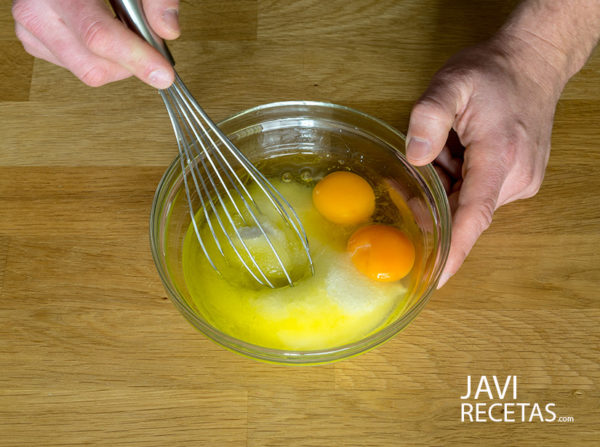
(381,252)
(344,198)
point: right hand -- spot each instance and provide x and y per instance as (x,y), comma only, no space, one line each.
(84,37)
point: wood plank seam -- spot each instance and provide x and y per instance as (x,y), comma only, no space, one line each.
(4,247)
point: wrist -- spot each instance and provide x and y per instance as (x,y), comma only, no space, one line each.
(552,38)
(545,64)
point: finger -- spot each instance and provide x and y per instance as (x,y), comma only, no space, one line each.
(432,117)
(109,39)
(58,45)
(477,201)
(452,165)
(524,181)
(33,46)
(453,202)
(444,178)
(163,17)
(90,69)
(456,187)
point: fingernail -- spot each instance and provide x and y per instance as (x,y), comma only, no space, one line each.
(160,79)
(418,149)
(171,19)
(443,279)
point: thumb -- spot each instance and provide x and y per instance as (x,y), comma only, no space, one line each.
(431,119)
(163,17)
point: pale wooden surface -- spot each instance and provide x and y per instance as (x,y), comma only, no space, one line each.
(92,352)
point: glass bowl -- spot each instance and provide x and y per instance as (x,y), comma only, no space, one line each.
(284,134)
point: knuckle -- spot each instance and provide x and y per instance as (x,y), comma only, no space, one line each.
(514,141)
(22,34)
(24,14)
(145,72)
(461,254)
(508,154)
(531,189)
(508,150)
(485,214)
(95,76)
(429,108)
(21,9)
(529,179)
(455,80)
(528,175)
(96,36)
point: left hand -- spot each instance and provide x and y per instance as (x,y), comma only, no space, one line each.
(501,106)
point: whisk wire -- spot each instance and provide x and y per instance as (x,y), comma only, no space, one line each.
(249,167)
(180,87)
(196,134)
(199,152)
(182,156)
(271,193)
(198,139)
(185,105)
(196,174)
(232,223)
(190,129)
(248,208)
(294,220)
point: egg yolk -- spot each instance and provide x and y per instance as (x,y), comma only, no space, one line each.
(381,252)
(344,198)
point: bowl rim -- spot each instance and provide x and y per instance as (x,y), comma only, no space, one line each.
(327,355)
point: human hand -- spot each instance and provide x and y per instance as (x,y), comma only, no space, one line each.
(84,37)
(499,98)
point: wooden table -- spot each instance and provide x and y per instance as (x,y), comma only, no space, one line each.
(93,353)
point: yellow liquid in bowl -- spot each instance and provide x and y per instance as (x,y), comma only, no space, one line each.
(336,306)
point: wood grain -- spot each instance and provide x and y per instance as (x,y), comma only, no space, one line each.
(93,353)
(15,72)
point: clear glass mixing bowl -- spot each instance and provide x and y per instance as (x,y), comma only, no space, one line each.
(282,134)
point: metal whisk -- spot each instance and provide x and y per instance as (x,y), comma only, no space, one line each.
(226,184)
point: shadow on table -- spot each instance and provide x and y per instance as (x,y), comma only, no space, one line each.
(461,23)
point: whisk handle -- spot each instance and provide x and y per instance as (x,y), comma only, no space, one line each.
(131,13)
